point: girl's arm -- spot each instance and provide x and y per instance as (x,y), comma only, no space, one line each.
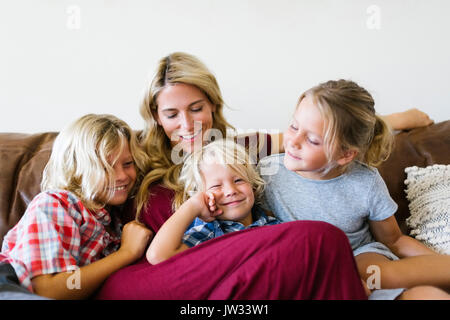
(168,239)
(388,232)
(83,282)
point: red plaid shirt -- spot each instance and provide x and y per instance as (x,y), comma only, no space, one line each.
(57,233)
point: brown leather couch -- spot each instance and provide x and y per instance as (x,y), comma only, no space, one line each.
(23,157)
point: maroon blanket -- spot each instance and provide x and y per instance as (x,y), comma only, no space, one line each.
(294,260)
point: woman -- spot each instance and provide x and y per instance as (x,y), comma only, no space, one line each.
(182,109)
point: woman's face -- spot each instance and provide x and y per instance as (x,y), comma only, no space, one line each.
(185,113)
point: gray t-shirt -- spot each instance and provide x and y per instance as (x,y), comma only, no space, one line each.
(347,201)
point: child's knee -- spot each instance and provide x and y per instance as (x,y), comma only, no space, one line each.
(424,293)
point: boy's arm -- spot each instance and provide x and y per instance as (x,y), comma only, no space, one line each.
(168,240)
(83,282)
(388,232)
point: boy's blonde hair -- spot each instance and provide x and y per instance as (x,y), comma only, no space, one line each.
(351,121)
(178,67)
(81,162)
(225,152)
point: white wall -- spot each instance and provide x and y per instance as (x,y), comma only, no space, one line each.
(56,65)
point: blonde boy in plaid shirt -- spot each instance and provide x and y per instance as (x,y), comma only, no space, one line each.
(94,166)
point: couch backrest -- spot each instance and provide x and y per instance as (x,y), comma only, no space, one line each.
(22,160)
(419,147)
(24,156)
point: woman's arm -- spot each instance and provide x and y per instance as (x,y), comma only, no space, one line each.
(83,282)
(388,232)
(409,119)
(277,143)
(168,240)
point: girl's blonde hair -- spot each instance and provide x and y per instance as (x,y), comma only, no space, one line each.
(176,68)
(351,121)
(81,161)
(225,152)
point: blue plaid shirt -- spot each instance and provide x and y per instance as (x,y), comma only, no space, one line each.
(203,231)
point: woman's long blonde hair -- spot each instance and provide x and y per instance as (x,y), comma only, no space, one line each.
(352,122)
(176,68)
(81,162)
(225,152)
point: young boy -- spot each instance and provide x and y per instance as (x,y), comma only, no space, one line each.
(224,187)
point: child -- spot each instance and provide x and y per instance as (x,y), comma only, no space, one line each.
(220,188)
(68,226)
(327,174)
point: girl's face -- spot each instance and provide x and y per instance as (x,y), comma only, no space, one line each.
(124,177)
(232,193)
(185,113)
(303,141)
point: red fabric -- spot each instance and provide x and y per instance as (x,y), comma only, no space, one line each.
(294,260)
(159,208)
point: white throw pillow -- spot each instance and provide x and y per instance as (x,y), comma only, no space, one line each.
(428,192)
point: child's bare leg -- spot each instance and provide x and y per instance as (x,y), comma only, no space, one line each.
(424,293)
(431,270)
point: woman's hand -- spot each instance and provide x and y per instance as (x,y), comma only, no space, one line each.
(409,119)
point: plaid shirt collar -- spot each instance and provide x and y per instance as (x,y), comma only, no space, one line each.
(259,219)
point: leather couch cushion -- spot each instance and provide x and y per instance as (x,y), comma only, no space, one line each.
(22,160)
(419,147)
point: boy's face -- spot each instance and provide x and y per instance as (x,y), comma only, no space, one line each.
(124,177)
(303,141)
(232,193)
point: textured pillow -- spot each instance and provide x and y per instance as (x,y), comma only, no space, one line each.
(428,192)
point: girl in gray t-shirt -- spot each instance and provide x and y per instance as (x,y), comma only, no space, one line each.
(327,173)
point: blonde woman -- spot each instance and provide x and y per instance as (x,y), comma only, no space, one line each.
(327,174)
(221,187)
(68,241)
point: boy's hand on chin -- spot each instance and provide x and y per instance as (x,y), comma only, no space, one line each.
(206,205)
